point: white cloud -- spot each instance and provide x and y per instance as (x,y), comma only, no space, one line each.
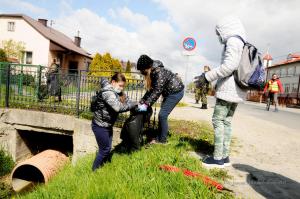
(127,34)
(23,6)
(271,22)
(156,38)
(133,19)
(267,22)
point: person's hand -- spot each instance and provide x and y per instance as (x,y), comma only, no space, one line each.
(142,107)
(202,80)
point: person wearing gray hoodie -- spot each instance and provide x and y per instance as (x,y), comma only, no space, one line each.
(231,34)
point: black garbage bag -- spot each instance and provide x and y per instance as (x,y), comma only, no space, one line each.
(132,130)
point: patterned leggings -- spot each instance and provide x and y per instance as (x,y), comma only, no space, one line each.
(221,120)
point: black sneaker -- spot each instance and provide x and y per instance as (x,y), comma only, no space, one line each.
(204,106)
(226,161)
(212,163)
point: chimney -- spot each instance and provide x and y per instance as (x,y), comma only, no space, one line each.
(77,40)
(43,21)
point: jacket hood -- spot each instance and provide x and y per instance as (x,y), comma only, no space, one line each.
(157,63)
(105,84)
(230,26)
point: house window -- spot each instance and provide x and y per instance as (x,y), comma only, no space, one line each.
(11,26)
(295,88)
(73,67)
(277,72)
(27,57)
(283,72)
(298,70)
(88,66)
(291,71)
(286,88)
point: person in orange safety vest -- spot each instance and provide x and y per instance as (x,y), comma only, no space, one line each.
(273,86)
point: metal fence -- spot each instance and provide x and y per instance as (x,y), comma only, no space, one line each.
(27,87)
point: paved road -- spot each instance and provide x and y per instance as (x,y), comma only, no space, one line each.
(286,116)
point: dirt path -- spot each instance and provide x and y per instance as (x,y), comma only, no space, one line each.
(265,155)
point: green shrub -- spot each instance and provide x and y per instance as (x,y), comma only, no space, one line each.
(6,162)
(3,57)
(27,79)
(86,115)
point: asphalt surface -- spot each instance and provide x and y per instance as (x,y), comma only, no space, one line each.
(289,117)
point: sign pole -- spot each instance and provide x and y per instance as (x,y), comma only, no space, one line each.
(189,45)
(186,73)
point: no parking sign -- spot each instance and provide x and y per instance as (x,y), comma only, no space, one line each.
(189,43)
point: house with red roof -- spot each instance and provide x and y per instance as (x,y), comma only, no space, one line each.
(43,44)
(288,71)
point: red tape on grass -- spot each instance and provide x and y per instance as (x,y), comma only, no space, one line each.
(193,174)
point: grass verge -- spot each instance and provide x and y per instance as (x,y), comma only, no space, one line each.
(137,175)
(6,166)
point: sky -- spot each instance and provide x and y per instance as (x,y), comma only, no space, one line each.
(129,28)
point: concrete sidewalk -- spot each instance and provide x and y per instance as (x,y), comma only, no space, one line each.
(264,154)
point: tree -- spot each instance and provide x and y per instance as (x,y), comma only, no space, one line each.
(13,49)
(128,67)
(3,57)
(108,65)
(95,64)
(104,65)
(95,67)
(116,65)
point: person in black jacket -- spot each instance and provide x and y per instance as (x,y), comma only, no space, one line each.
(160,81)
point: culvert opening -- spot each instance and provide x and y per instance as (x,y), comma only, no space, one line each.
(25,177)
(37,169)
(31,143)
(29,173)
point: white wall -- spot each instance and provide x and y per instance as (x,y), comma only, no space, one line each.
(33,40)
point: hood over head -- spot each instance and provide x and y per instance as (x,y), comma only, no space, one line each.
(230,26)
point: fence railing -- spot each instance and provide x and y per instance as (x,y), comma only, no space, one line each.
(286,99)
(31,87)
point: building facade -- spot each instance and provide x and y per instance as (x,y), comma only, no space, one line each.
(43,44)
(289,73)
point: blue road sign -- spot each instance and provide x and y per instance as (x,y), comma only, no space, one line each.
(189,43)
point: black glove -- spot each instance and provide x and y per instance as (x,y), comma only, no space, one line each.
(202,81)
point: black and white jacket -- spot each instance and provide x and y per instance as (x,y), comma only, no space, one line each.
(108,105)
(163,82)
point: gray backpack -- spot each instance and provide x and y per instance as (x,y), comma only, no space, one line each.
(250,74)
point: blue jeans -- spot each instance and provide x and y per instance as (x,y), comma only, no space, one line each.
(104,141)
(167,106)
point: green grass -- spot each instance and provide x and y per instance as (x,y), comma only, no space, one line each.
(181,104)
(137,175)
(6,162)
(6,166)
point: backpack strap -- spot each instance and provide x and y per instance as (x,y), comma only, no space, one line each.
(236,36)
(239,37)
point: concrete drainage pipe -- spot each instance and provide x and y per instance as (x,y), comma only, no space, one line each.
(37,169)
